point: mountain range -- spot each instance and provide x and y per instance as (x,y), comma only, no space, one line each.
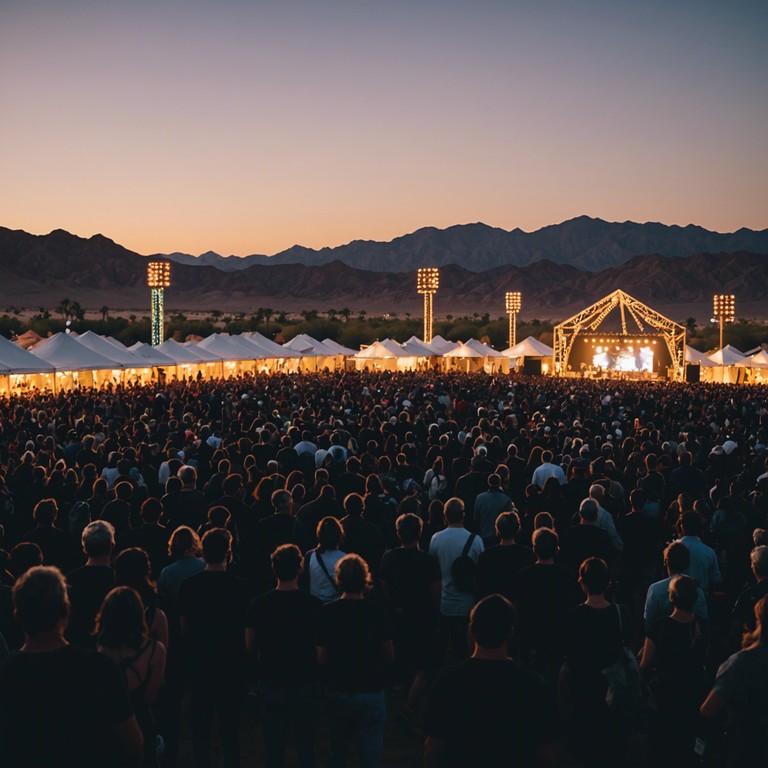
(41,270)
(588,243)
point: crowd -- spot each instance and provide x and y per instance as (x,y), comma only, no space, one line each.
(535,571)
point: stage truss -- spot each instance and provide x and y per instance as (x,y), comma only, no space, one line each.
(589,319)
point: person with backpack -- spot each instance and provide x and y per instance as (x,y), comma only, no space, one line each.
(435,481)
(457,550)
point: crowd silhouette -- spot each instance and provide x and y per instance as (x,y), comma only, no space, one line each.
(502,570)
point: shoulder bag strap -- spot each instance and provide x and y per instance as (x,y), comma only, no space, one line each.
(325,570)
(468,544)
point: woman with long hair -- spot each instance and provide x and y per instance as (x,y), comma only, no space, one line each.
(320,562)
(132,569)
(741,690)
(121,633)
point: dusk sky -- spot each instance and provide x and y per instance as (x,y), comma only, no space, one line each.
(245,127)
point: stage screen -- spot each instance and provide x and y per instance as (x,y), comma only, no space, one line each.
(619,354)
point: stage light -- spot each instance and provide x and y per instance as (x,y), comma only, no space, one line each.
(514,303)
(427,282)
(724,310)
(158,279)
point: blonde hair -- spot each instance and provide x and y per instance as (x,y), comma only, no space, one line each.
(757,637)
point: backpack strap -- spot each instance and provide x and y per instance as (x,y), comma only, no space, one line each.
(468,545)
(325,569)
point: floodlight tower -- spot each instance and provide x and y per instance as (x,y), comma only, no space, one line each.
(158,279)
(427,281)
(724,309)
(514,304)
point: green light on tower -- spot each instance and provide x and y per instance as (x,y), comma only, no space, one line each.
(158,279)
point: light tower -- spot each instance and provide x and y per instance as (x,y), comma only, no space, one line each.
(427,281)
(158,279)
(724,308)
(514,304)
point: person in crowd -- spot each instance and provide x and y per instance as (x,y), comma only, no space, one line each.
(592,636)
(456,603)
(587,539)
(212,606)
(320,562)
(54,542)
(544,593)
(150,536)
(354,650)
(60,705)
(132,570)
(506,715)
(499,565)
(488,506)
(704,567)
(279,638)
(122,634)
(89,584)
(740,692)
(674,654)
(412,583)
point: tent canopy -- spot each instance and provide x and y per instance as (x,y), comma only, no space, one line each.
(417,348)
(308,347)
(151,355)
(483,349)
(272,347)
(464,350)
(441,345)
(225,348)
(179,352)
(122,358)
(529,347)
(728,355)
(15,359)
(339,349)
(694,357)
(66,354)
(381,350)
(760,360)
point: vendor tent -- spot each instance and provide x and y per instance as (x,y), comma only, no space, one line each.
(21,369)
(529,347)
(121,357)
(441,345)
(339,349)
(315,354)
(728,355)
(75,364)
(760,360)
(380,356)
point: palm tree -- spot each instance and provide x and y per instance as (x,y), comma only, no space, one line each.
(331,313)
(268,312)
(345,313)
(361,315)
(104,313)
(77,312)
(64,308)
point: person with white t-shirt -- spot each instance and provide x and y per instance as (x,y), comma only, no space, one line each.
(447,546)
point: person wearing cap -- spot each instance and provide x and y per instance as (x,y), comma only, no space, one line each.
(488,506)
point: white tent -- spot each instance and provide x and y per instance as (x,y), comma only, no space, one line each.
(315,354)
(76,365)
(694,357)
(66,354)
(306,346)
(415,347)
(441,345)
(234,358)
(483,349)
(760,360)
(21,369)
(16,360)
(151,356)
(529,347)
(273,347)
(380,356)
(339,349)
(204,355)
(464,357)
(728,355)
(122,358)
